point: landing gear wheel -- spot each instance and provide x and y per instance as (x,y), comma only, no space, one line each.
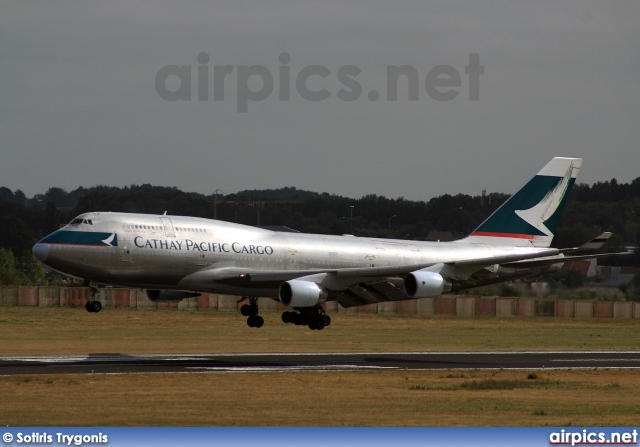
(88,306)
(255,321)
(316,325)
(249,310)
(326,319)
(96,306)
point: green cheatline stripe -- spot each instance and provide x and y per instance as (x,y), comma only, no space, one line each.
(80,238)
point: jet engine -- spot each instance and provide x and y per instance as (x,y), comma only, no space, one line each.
(169,295)
(298,293)
(423,284)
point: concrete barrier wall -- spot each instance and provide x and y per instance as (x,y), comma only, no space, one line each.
(427,306)
(603,309)
(622,309)
(368,309)
(525,307)
(565,309)
(485,307)
(446,305)
(8,296)
(462,305)
(28,296)
(389,308)
(583,309)
(506,307)
(407,307)
(545,308)
(49,296)
(466,306)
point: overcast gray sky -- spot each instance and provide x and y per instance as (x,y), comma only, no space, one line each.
(80,107)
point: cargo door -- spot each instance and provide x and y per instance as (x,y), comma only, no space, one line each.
(168,227)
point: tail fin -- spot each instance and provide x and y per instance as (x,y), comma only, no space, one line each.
(530,217)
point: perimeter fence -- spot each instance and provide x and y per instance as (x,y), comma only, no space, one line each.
(463,306)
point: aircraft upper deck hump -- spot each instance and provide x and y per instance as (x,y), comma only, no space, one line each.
(530,217)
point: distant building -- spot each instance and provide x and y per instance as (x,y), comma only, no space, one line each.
(586,267)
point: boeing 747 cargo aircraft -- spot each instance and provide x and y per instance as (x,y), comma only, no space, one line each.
(177,257)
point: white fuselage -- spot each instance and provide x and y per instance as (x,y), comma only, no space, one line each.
(156,251)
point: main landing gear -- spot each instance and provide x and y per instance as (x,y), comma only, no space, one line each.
(93,305)
(251,312)
(314,317)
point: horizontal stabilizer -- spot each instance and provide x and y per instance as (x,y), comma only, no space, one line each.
(594,244)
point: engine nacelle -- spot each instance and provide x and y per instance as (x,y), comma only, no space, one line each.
(423,284)
(169,295)
(298,293)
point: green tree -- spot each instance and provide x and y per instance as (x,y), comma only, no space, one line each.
(30,270)
(15,235)
(51,218)
(9,276)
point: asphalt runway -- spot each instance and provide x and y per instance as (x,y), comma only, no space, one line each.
(117,363)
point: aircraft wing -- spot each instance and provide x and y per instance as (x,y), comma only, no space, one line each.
(530,263)
(456,270)
(371,284)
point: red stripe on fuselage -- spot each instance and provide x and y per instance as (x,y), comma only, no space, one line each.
(512,235)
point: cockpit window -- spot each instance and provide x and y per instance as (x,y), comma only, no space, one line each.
(78,221)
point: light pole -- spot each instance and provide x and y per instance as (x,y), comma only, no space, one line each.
(395,215)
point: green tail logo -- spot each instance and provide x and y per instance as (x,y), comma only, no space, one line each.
(533,213)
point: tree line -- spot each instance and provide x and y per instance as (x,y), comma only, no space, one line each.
(603,206)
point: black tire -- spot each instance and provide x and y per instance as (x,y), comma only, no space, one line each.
(245,310)
(259,321)
(286,317)
(88,306)
(96,306)
(326,319)
(251,321)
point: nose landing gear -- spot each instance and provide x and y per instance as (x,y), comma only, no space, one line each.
(93,305)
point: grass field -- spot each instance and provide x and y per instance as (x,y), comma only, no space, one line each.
(32,331)
(373,398)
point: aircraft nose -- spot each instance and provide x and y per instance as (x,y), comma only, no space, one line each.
(40,251)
